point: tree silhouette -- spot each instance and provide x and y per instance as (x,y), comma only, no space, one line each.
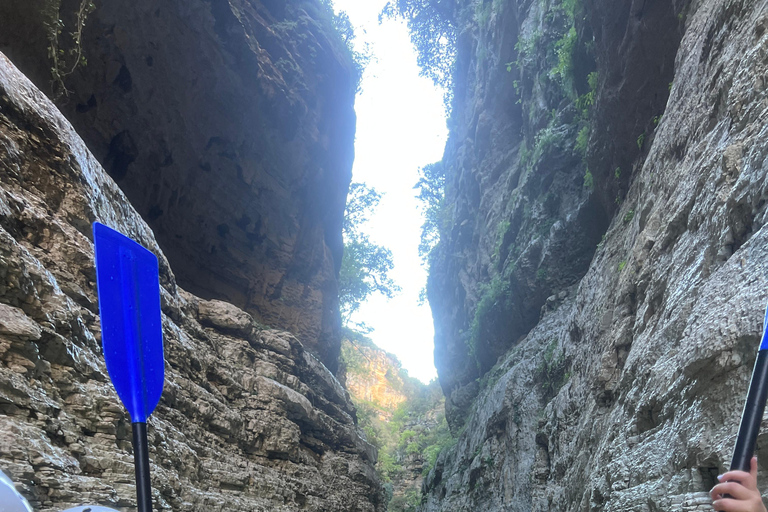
(365,266)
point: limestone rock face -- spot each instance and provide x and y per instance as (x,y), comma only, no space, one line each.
(620,387)
(374,376)
(249,419)
(524,225)
(229,124)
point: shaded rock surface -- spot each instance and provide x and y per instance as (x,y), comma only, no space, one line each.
(613,371)
(249,419)
(230,126)
(524,223)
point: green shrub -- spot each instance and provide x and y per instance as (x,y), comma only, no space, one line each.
(494,295)
(589,181)
(563,70)
(546,139)
(525,48)
(582,140)
(552,369)
(585,101)
(501,232)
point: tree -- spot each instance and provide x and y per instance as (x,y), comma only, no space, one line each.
(433,28)
(431,186)
(346,33)
(365,266)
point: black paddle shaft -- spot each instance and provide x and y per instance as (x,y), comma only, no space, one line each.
(141,462)
(752,415)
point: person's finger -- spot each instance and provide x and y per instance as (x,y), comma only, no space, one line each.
(735,476)
(753,469)
(731,505)
(734,489)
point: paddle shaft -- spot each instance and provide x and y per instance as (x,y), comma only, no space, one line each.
(752,415)
(141,462)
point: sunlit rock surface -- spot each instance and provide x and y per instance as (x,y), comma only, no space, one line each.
(249,419)
(374,376)
(230,127)
(614,370)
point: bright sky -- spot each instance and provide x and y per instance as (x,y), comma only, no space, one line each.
(400,128)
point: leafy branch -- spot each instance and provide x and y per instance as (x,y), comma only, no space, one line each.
(64,62)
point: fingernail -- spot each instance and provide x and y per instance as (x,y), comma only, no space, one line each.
(719,478)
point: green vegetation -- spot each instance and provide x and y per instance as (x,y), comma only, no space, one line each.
(65,57)
(617,173)
(581,141)
(585,101)
(407,502)
(565,47)
(526,48)
(346,33)
(556,48)
(602,241)
(431,187)
(641,141)
(629,216)
(410,436)
(493,298)
(589,181)
(622,264)
(501,232)
(546,139)
(552,369)
(365,266)
(360,60)
(563,70)
(433,28)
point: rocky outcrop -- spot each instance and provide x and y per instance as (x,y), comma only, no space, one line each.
(230,126)
(249,419)
(613,370)
(543,135)
(374,376)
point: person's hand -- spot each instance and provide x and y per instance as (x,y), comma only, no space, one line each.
(742,490)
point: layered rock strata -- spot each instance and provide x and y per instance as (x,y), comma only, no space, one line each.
(229,125)
(249,419)
(619,389)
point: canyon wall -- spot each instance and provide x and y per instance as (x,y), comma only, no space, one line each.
(599,291)
(402,416)
(229,125)
(249,418)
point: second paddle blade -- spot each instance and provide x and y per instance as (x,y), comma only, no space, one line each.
(131,326)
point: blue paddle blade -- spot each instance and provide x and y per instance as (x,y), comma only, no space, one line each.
(131,328)
(764,341)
